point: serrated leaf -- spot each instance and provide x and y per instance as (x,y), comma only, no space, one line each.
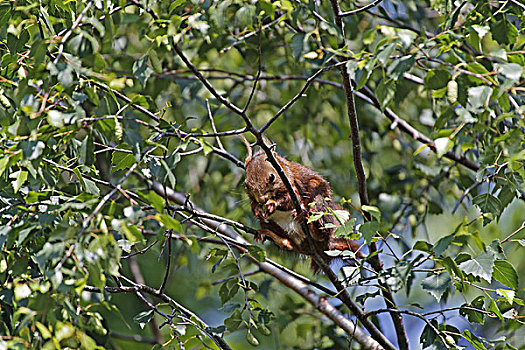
(400,66)
(487,203)
(141,70)
(369,229)
(481,266)
(143,318)
(442,244)
(474,316)
(504,32)
(437,79)
(436,285)
(122,160)
(505,273)
(507,294)
(473,340)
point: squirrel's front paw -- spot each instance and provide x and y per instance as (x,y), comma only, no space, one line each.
(302,216)
(260,236)
(270,206)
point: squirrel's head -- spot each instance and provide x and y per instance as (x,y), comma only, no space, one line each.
(263,184)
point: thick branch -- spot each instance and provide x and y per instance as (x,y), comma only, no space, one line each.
(361,178)
(317,256)
(285,277)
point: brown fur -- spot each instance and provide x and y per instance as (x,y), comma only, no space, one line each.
(268,194)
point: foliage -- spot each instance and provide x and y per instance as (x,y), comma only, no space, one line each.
(102,114)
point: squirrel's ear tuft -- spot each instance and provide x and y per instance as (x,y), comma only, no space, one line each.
(249,151)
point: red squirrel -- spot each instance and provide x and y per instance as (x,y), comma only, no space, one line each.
(273,207)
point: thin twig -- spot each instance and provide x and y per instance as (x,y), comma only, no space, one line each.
(68,34)
(246,36)
(360,9)
(514,233)
(256,81)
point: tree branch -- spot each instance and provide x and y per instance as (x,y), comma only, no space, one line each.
(361,178)
(360,9)
(216,227)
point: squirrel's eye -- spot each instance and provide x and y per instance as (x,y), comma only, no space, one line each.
(272,178)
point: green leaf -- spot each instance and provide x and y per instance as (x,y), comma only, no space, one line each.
(472,315)
(245,14)
(122,161)
(478,97)
(443,145)
(473,340)
(91,187)
(507,294)
(423,246)
(481,266)
(233,322)
(257,252)
(487,203)
(493,307)
(428,335)
(153,199)
(132,233)
(141,70)
(175,4)
(504,32)
(20,178)
(385,92)
(143,318)
(511,71)
(87,151)
(399,66)
(22,291)
(315,217)
(442,244)
(32,149)
(451,266)
(228,290)
(374,211)
(436,284)
(437,79)
(297,45)
(505,273)
(169,222)
(369,229)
